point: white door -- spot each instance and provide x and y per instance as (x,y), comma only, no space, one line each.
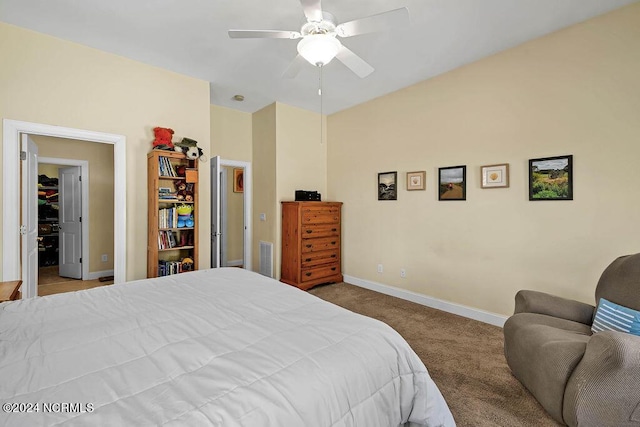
(29,229)
(215,211)
(70,222)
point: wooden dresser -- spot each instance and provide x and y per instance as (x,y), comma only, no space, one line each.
(310,243)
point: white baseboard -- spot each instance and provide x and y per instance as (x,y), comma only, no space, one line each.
(92,275)
(235,263)
(449,307)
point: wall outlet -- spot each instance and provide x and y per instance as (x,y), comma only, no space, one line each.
(379,268)
(263,217)
(105,257)
(403,273)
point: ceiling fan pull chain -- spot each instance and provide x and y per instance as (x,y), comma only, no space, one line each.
(320,93)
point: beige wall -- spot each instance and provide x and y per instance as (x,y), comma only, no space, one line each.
(264,179)
(287,154)
(48,169)
(573,92)
(231,134)
(100,179)
(231,139)
(301,160)
(301,154)
(47,80)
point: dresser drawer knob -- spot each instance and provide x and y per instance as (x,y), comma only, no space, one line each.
(307,274)
(333,269)
(307,260)
(309,246)
(334,256)
(333,243)
(334,229)
(309,231)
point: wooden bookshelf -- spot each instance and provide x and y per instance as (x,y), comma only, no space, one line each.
(162,165)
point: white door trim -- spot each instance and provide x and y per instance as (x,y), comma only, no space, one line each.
(248,197)
(84,173)
(11,130)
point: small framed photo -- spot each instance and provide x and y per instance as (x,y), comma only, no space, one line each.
(416,180)
(238,180)
(452,183)
(388,186)
(495,176)
(551,178)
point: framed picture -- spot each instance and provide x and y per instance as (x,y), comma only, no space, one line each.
(388,186)
(551,178)
(452,183)
(495,176)
(238,180)
(416,180)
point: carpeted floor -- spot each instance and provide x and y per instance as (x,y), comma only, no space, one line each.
(464,357)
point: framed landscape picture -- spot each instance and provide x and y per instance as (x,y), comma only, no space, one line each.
(551,178)
(388,186)
(416,180)
(495,176)
(452,183)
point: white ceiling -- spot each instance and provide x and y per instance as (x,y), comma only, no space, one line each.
(190,37)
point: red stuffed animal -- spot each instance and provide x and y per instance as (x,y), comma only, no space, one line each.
(163,138)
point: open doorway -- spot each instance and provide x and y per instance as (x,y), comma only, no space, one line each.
(230,213)
(75,215)
(232,217)
(60,228)
(18,223)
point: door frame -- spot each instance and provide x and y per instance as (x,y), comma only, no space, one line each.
(84,174)
(224,200)
(11,131)
(248,197)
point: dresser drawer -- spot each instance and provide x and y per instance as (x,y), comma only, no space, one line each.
(309,274)
(321,244)
(312,259)
(320,215)
(320,230)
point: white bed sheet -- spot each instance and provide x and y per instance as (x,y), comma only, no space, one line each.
(223,347)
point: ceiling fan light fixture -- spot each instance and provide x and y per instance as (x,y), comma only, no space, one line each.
(319,49)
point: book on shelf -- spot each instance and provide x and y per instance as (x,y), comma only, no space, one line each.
(168,196)
(167,239)
(167,218)
(166,168)
(165,193)
(167,268)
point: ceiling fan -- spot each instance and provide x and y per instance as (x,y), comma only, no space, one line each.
(319,44)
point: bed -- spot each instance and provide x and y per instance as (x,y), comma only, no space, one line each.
(220,347)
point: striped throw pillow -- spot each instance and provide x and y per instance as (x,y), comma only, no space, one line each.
(614,317)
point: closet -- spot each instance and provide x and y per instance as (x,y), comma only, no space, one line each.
(48,217)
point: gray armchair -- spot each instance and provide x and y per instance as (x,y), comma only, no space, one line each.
(580,379)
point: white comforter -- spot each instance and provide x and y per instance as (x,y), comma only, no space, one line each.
(221,347)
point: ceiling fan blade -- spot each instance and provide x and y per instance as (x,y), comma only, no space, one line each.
(263,34)
(312,10)
(354,62)
(380,22)
(294,68)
